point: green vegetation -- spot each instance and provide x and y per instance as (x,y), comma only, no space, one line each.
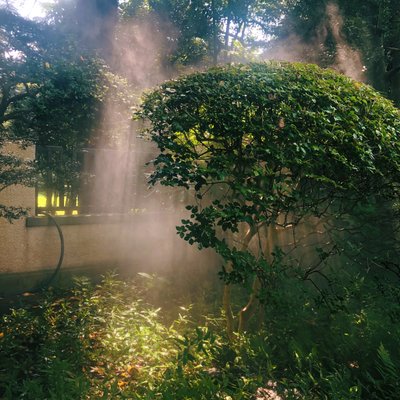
(58,74)
(275,151)
(369,30)
(115,341)
(293,173)
(53,93)
(360,37)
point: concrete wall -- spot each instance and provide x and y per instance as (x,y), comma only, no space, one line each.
(25,248)
(138,243)
(13,237)
(142,242)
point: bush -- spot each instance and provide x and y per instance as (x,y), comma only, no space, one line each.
(272,149)
(107,342)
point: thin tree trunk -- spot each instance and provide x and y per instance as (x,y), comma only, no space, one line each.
(243,31)
(215,37)
(228,27)
(247,312)
(226,300)
(226,303)
(251,307)
(393,51)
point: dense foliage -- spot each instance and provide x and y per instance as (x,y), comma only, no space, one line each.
(307,30)
(53,93)
(113,341)
(59,55)
(266,147)
(273,153)
(370,27)
(21,69)
(208,32)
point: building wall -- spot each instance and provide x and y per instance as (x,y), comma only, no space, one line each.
(143,242)
(13,237)
(25,249)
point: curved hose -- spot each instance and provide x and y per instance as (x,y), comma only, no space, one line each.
(48,281)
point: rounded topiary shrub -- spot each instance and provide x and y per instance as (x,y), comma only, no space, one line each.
(281,137)
(265,145)
(253,120)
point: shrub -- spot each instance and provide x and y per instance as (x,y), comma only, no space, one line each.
(268,147)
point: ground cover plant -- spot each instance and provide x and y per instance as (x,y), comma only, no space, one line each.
(110,341)
(274,154)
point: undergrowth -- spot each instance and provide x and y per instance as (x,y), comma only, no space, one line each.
(116,341)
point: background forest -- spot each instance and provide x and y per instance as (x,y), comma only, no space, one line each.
(319,321)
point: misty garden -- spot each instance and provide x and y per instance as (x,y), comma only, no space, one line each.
(199,199)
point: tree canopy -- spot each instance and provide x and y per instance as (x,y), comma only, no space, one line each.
(370,27)
(285,126)
(308,31)
(56,61)
(53,93)
(266,146)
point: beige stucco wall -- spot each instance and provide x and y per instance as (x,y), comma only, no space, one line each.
(146,242)
(13,236)
(28,249)
(143,242)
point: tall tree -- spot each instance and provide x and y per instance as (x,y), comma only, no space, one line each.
(22,62)
(391,42)
(330,32)
(209,31)
(52,94)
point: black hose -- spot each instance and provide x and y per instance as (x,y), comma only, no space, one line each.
(46,283)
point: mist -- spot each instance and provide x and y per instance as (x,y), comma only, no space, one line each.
(148,215)
(147,240)
(346,59)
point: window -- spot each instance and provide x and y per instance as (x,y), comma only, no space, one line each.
(88,181)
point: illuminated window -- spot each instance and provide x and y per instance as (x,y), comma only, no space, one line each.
(86,181)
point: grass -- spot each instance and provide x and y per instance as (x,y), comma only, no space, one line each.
(117,340)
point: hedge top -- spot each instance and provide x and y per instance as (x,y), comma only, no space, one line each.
(236,123)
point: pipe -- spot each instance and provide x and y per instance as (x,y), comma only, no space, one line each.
(46,283)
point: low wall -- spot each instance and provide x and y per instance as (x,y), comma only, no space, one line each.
(141,242)
(13,237)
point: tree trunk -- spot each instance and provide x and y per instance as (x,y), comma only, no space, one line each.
(251,307)
(214,33)
(253,304)
(392,49)
(226,301)
(227,30)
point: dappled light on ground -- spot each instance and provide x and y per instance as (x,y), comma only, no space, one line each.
(117,340)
